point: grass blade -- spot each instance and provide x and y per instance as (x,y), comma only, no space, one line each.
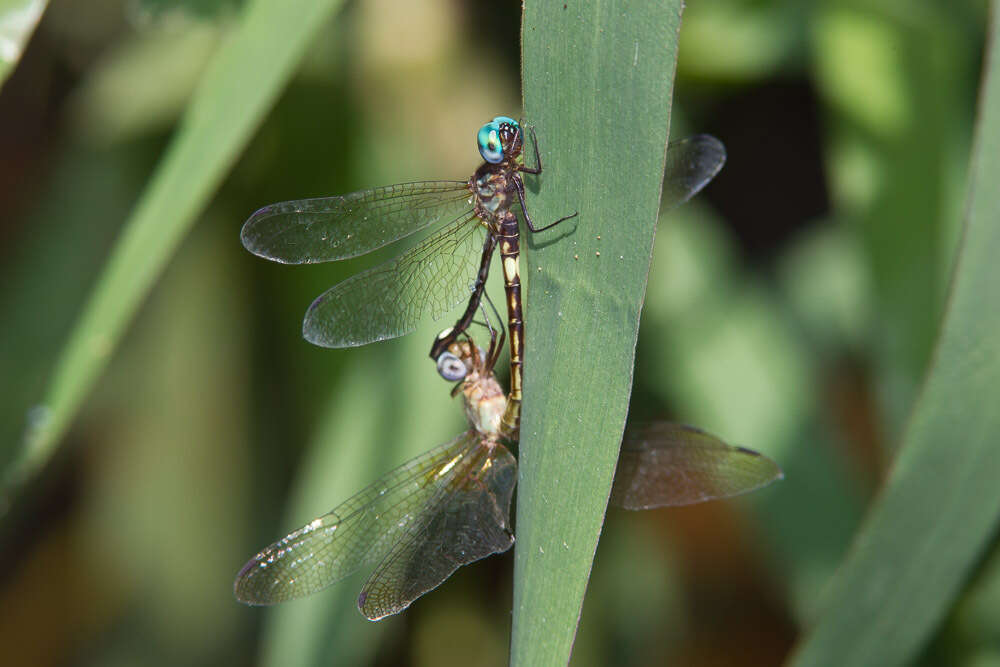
(597,85)
(18,19)
(942,502)
(242,82)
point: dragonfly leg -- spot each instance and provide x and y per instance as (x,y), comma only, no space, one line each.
(519,186)
(495,345)
(537,169)
(442,342)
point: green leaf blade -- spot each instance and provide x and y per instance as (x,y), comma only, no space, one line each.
(244,79)
(941,505)
(18,19)
(597,85)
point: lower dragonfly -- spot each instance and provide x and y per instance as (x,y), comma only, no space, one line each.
(451,506)
(469,217)
(417,524)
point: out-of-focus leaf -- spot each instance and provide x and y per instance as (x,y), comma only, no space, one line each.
(825,278)
(156,70)
(180,442)
(341,459)
(597,84)
(201,8)
(243,80)
(66,233)
(896,127)
(18,19)
(757,36)
(977,618)
(716,345)
(388,408)
(941,505)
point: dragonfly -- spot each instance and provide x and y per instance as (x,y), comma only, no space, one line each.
(461,218)
(451,506)
(418,523)
(391,299)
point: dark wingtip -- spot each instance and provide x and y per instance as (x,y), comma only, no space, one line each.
(694,429)
(779,473)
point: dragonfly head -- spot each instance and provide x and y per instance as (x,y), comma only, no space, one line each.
(451,368)
(461,361)
(499,139)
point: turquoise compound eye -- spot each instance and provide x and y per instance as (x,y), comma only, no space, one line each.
(500,120)
(489,143)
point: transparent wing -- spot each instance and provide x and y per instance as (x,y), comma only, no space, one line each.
(307,231)
(668,464)
(691,164)
(471,520)
(360,531)
(391,299)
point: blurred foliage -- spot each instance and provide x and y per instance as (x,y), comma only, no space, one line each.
(792,308)
(155,9)
(18,19)
(917,548)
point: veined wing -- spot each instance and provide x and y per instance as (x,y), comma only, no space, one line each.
(307,231)
(471,520)
(671,464)
(691,164)
(361,530)
(391,299)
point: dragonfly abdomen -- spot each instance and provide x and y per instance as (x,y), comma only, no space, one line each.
(509,242)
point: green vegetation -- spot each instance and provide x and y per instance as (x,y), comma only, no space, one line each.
(828,301)
(577,73)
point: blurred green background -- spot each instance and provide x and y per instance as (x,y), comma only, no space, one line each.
(791,308)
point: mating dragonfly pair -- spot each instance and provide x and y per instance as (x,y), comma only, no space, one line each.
(450,506)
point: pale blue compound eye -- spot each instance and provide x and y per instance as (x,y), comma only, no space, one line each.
(451,368)
(489,143)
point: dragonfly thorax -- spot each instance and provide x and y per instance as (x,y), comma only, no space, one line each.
(484,399)
(493,190)
(485,402)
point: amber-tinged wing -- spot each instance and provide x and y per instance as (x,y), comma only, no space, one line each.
(360,531)
(324,229)
(470,522)
(669,464)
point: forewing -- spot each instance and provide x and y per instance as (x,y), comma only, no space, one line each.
(671,464)
(391,299)
(470,521)
(307,231)
(691,164)
(361,530)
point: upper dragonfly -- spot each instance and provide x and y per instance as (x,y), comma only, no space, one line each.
(468,217)
(431,278)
